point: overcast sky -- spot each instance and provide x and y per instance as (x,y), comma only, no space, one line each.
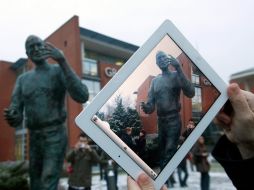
(221,30)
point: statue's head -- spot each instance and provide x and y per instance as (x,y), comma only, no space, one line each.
(35,48)
(162,60)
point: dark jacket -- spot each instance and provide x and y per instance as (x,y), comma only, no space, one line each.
(140,146)
(200,158)
(81,162)
(237,169)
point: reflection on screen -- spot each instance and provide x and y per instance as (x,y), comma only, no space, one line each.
(151,110)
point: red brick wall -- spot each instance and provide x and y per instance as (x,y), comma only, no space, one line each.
(209,95)
(7,134)
(67,38)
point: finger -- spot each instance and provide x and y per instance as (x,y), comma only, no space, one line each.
(164,187)
(222,119)
(238,100)
(131,184)
(250,99)
(145,182)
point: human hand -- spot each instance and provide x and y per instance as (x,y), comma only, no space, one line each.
(144,182)
(77,146)
(13,117)
(239,126)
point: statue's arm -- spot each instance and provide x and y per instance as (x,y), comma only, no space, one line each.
(14,113)
(186,85)
(77,90)
(149,106)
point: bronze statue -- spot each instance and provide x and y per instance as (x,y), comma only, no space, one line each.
(38,98)
(164,95)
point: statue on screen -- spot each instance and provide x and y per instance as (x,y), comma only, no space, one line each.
(38,98)
(164,95)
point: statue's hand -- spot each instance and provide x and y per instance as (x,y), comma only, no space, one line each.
(54,53)
(143,107)
(174,62)
(13,117)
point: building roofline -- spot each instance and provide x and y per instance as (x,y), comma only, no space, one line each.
(242,74)
(86,33)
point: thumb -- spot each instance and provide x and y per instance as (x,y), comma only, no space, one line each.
(238,100)
(145,182)
(131,184)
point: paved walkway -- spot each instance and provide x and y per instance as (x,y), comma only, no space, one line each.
(218,181)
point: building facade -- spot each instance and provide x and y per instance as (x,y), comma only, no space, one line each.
(93,56)
(245,79)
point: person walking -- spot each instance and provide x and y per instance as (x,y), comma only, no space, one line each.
(202,164)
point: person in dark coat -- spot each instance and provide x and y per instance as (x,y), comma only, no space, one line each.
(141,144)
(235,149)
(126,137)
(200,155)
(82,157)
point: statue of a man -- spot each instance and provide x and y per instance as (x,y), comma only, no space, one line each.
(38,98)
(164,95)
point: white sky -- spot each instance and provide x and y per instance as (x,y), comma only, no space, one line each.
(221,30)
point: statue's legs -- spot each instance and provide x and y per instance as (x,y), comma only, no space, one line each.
(169,133)
(47,151)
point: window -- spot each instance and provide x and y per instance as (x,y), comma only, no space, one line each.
(93,88)
(195,79)
(197,100)
(90,67)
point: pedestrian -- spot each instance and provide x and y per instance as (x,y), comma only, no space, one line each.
(200,155)
(82,157)
(182,169)
(126,137)
(141,144)
(38,101)
(110,168)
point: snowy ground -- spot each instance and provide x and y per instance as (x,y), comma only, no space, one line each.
(218,181)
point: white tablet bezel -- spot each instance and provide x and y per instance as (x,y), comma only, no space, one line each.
(84,119)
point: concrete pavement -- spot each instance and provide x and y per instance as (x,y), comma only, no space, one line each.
(218,181)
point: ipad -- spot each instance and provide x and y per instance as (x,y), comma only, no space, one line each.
(147,103)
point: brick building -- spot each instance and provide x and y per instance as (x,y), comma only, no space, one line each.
(94,57)
(245,79)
